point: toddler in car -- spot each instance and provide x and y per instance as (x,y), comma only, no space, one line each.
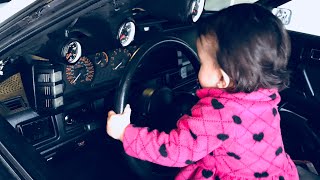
(234,130)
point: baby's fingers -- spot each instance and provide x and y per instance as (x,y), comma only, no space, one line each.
(127,110)
(110,113)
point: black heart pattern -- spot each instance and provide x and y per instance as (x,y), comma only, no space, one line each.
(216,178)
(194,136)
(279,151)
(207,173)
(281,178)
(211,154)
(189,162)
(236,119)
(216,104)
(258,137)
(273,96)
(163,150)
(233,155)
(261,175)
(223,137)
(274,111)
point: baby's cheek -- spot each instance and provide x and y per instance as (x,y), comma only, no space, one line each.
(209,76)
(204,78)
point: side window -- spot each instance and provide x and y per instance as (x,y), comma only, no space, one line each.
(304,17)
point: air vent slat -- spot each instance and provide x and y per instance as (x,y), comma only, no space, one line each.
(15,107)
(14,103)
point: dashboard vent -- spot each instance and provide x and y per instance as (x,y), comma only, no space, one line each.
(13,105)
(12,96)
(11,87)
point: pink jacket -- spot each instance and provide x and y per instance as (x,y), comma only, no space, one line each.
(229,136)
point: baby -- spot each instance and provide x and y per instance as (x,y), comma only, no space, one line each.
(234,131)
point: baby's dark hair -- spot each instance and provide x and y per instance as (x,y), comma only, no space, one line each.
(253,47)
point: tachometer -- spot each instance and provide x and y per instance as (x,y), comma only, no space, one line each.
(119,58)
(71,52)
(81,73)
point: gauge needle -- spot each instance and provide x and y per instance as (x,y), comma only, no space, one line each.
(122,37)
(68,56)
(117,66)
(76,78)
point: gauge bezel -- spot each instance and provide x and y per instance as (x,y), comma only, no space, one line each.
(65,48)
(197,5)
(131,34)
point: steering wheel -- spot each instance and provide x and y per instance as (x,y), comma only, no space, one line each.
(158,97)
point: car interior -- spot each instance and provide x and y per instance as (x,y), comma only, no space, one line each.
(64,65)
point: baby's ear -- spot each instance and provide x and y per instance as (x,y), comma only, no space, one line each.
(224,80)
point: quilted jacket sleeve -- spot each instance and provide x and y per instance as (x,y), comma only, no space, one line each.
(194,138)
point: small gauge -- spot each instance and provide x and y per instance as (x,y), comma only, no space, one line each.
(119,58)
(126,33)
(101,59)
(197,9)
(80,73)
(71,52)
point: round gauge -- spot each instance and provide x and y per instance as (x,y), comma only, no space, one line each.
(197,9)
(119,58)
(101,59)
(71,52)
(80,73)
(126,33)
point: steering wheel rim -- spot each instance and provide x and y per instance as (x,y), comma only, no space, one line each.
(138,58)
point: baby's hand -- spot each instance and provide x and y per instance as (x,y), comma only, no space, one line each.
(117,123)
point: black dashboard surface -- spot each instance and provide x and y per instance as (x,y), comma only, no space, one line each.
(58,105)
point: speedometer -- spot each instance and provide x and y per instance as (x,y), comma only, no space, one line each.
(81,73)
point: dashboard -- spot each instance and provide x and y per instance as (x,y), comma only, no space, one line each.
(62,103)
(67,78)
(73,78)
(58,84)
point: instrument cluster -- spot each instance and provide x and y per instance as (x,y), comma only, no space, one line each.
(95,69)
(84,70)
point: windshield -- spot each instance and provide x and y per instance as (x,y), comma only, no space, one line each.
(303,18)
(10,8)
(216,5)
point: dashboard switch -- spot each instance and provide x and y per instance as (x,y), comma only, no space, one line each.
(48,89)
